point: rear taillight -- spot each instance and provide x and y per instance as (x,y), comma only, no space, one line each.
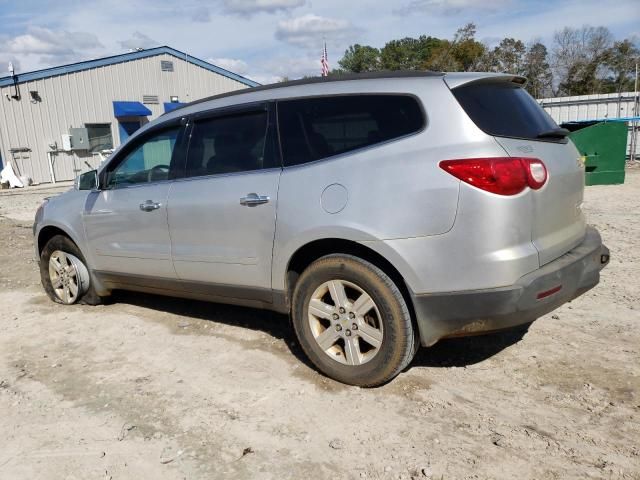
(500,175)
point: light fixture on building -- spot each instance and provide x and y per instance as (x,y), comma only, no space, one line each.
(174,99)
(35,96)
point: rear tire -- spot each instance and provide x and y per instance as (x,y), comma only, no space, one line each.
(65,275)
(352,321)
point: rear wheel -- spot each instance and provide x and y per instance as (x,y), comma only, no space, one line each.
(352,321)
(64,273)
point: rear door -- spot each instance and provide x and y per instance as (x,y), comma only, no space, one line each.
(502,108)
(222,213)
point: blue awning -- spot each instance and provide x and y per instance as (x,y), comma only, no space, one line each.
(170,107)
(130,109)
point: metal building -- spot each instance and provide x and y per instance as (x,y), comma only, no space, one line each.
(622,107)
(54,123)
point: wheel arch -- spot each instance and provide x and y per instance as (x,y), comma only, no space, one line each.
(306,254)
(47,232)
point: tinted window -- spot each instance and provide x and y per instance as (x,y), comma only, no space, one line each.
(148,161)
(504,110)
(228,144)
(315,128)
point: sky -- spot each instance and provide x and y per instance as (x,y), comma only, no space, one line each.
(266,40)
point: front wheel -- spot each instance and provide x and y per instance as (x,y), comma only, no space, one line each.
(64,273)
(352,321)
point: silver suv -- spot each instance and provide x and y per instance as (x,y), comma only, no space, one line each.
(380,212)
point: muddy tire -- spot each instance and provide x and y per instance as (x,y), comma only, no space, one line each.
(64,273)
(352,321)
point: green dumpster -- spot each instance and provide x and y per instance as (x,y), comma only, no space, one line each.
(603,147)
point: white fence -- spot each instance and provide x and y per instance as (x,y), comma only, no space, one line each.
(622,107)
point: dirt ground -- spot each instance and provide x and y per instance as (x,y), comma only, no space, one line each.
(150,387)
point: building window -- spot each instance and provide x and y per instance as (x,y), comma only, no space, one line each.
(99,135)
(166,65)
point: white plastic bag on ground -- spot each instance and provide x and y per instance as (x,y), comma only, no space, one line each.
(8,175)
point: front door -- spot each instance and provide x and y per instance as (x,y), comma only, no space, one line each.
(222,214)
(126,222)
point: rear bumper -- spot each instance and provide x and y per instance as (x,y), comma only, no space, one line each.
(533,295)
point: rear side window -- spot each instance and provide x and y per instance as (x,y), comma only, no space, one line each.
(228,144)
(316,128)
(504,110)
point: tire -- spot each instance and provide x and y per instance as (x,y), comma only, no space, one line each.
(372,340)
(68,255)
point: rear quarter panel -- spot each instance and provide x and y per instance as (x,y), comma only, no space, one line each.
(393,190)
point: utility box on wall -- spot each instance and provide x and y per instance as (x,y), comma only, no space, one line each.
(603,147)
(79,138)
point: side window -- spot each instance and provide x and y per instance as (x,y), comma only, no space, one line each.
(315,128)
(226,144)
(149,161)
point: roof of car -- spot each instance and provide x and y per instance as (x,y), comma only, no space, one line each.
(319,80)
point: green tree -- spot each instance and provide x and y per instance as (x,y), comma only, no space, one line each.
(360,58)
(579,57)
(463,53)
(408,53)
(537,71)
(621,61)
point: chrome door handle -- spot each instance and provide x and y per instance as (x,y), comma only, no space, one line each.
(253,199)
(149,206)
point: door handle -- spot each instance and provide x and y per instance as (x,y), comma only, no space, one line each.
(253,199)
(149,205)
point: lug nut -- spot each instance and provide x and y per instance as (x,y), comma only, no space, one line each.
(354,327)
(338,328)
(352,315)
(348,333)
(341,310)
(335,316)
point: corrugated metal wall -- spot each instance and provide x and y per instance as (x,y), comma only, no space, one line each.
(74,99)
(593,107)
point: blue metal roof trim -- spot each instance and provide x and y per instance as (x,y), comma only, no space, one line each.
(171,106)
(130,109)
(125,57)
(604,120)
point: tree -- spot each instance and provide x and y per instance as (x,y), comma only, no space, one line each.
(621,61)
(408,53)
(537,71)
(461,54)
(360,58)
(579,59)
(510,56)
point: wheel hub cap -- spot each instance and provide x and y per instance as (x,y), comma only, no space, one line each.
(345,322)
(69,277)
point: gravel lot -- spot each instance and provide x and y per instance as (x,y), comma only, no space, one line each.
(149,387)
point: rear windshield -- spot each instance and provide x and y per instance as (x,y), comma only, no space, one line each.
(316,128)
(504,110)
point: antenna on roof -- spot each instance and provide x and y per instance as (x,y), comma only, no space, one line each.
(11,69)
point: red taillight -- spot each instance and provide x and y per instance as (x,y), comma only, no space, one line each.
(500,175)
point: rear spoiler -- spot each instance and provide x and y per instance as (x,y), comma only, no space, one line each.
(454,80)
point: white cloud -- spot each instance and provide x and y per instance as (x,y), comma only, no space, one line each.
(250,7)
(309,30)
(42,46)
(138,40)
(449,6)
(43,41)
(232,64)
(201,14)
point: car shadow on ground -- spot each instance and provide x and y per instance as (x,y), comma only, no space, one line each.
(452,352)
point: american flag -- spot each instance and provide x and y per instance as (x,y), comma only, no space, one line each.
(325,62)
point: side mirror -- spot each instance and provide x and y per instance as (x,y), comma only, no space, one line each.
(87,181)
